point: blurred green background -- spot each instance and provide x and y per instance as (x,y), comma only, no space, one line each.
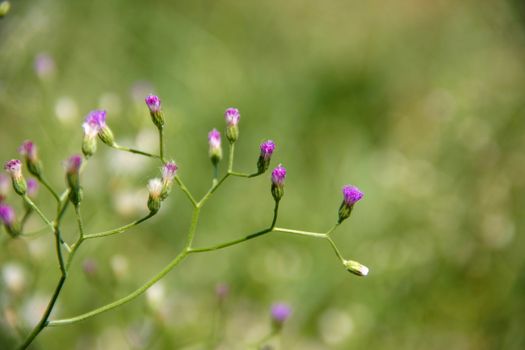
(418,103)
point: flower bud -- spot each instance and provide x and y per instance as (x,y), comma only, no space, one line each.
(267,148)
(214,140)
(356,268)
(280,313)
(8,218)
(5,6)
(4,187)
(29,151)
(155,195)
(351,195)
(169,170)
(72,166)
(278,176)
(96,120)
(232,117)
(14,168)
(155,110)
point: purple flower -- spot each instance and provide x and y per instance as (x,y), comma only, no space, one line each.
(351,195)
(44,65)
(95,121)
(232,116)
(32,188)
(169,170)
(7,215)
(14,168)
(28,149)
(280,313)
(153,103)
(73,164)
(278,175)
(214,139)
(267,148)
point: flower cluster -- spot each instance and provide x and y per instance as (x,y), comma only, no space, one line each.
(159,188)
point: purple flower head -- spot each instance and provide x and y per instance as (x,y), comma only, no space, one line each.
(44,65)
(280,313)
(267,148)
(351,194)
(169,170)
(32,187)
(278,175)
(232,116)
(214,139)
(153,103)
(14,168)
(7,214)
(95,121)
(28,149)
(73,164)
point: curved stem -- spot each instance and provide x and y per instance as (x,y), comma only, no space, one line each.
(38,211)
(119,229)
(144,287)
(336,250)
(135,151)
(125,299)
(80,239)
(242,239)
(213,188)
(49,188)
(186,191)
(43,322)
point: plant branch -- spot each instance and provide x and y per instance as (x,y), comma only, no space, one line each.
(119,229)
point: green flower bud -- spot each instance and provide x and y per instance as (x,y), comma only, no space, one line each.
(106,135)
(356,268)
(14,168)
(155,188)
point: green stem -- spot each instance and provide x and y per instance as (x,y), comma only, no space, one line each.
(336,250)
(302,233)
(125,299)
(38,211)
(43,321)
(49,188)
(161,144)
(186,191)
(213,188)
(119,229)
(242,239)
(230,157)
(183,254)
(80,239)
(193,227)
(136,151)
(234,173)
(63,275)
